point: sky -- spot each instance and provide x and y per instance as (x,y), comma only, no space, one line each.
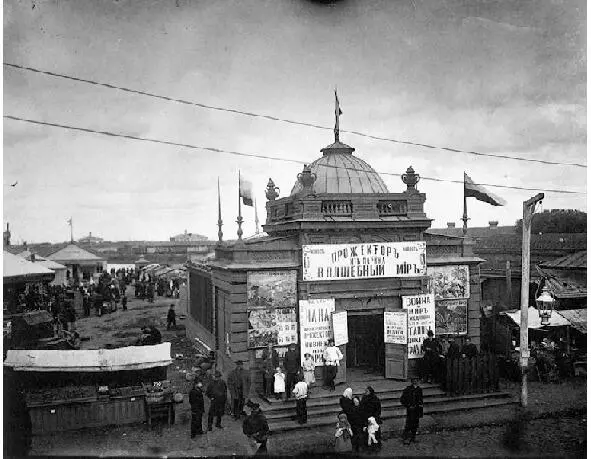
(501,77)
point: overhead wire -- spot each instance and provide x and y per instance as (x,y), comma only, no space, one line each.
(284,120)
(254,155)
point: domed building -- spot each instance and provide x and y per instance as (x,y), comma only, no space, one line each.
(343,258)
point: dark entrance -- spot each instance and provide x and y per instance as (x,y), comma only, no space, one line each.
(366,341)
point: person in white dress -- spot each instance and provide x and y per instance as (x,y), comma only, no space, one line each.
(279,383)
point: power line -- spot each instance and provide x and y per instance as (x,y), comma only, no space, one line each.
(253,155)
(284,120)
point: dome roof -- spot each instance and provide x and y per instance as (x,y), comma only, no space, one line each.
(339,172)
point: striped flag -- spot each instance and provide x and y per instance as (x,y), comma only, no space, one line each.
(245,188)
(472,190)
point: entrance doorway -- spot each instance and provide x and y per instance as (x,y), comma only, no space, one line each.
(365,349)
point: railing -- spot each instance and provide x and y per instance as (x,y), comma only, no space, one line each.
(473,375)
(387,208)
(337,208)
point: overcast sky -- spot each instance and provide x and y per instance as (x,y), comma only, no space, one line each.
(503,77)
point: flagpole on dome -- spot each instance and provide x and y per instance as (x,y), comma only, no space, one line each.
(239,220)
(337,113)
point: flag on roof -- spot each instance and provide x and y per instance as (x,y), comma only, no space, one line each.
(472,190)
(245,188)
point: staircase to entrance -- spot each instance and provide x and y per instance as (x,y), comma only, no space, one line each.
(323,405)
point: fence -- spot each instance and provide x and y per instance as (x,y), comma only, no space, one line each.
(473,375)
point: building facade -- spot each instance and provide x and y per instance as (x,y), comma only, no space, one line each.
(343,258)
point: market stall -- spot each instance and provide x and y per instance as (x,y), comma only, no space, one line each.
(67,390)
(18,274)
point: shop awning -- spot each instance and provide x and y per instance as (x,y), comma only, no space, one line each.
(17,269)
(533,318)
(577,318)
(92,360)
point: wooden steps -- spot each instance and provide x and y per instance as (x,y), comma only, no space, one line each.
(323,406)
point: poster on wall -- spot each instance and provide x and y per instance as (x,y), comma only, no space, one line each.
(396,327)
(262,328)
(271,289)
(421,319)
(287,326)
(451,317)
(339,328)
(315,327)
(363,261)
(271,308)
(449,282)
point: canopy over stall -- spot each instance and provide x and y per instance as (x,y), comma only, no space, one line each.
(533,319)
(17,269)
(59,269)
(92,360)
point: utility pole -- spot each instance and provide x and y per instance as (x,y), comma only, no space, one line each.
(529,208)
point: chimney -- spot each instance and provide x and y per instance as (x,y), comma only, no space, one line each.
(451,225)
(493,224)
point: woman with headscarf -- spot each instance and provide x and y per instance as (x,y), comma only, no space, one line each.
(343,435)
(346,402)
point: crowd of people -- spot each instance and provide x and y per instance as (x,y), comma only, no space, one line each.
(437,351)
(358,425)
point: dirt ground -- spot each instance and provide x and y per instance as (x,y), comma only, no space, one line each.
(554,424)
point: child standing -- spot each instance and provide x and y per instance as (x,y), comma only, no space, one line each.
(343,435)
(308,367)
(279,383)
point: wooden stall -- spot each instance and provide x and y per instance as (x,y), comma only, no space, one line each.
(67,390)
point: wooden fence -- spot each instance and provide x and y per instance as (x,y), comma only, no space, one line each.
(474,375)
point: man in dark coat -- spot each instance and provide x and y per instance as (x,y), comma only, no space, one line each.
(239,386)
(217,391)
(256,428)
(469,349)
(171,318)
(197,408)
(431,352)
(270,362)
(453,352)
(291,363)
(412,399)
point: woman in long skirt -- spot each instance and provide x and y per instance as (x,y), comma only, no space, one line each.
(308,367)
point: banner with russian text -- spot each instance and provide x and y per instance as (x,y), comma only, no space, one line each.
(364,261)
(421,319)
(315,327)
(451,317)
(396,327)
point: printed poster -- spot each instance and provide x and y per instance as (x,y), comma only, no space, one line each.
(421,319)
(339,328)
(364,261)
(315,327)
(271,308)
(287,326)
(451,317)
(262,328)
(271,289)
(449,282)
(396,327)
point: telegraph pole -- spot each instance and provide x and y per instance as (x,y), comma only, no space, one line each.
(529,208)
